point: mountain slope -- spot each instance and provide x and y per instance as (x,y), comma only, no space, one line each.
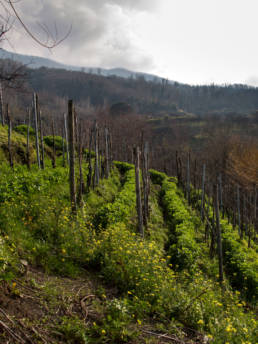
(38,62)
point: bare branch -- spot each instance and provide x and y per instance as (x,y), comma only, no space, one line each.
(54,41)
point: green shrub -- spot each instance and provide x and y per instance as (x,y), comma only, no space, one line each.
(183,248)
(48,140)
(157,177)
(23,128)
(123,167)
(122,207)
(241,262)
(73,330)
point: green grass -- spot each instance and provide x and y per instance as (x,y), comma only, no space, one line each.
(173,288)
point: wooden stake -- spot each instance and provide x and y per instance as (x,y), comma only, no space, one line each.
(9,135)
(188,179)
(2,106)
(66,138)
(54,144)
(41,142)
(89,176)
(72,155)
(138,191)
(106,154)
(35,104)
(81,181)
(219,242)
(238,211)
(28,139)
(63,146)
(145,180)
(96,147)
(203,191)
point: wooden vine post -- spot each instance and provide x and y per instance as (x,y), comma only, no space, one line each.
(72,155)
(255,203)
(145,181)
(221,207)
(238,211)
(41,142)
(96,148)
(203,191)
(81,180)
(66,138)
(106,153)
(188,188)
(9,135)
(35,105)
(89,176)
(63,147)
(54,144)
(219,242)
(138,190)
(2,106)
(28,140)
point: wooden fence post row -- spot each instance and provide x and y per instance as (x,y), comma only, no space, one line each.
(237,203)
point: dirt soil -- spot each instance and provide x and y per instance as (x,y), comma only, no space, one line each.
(33,306)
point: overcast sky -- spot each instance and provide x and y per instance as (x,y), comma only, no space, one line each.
(191,41)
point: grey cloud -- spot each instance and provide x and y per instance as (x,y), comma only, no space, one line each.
(101,33)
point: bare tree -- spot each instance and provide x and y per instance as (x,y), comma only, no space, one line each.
(12,73)
(11,15)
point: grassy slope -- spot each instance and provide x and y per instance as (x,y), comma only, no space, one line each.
(147,297)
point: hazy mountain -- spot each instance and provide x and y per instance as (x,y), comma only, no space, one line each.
(38,62)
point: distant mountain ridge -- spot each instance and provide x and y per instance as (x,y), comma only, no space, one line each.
(36,62)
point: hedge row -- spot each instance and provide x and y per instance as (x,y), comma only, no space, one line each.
(124,204)
(240,262)
(183,248)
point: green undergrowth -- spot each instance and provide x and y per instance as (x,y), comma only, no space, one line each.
(18,147)
(240,261)
(186,242)
(123,205)
(182,245)
(37,225)
(49,141)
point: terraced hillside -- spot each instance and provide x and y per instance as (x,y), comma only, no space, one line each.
(90,277)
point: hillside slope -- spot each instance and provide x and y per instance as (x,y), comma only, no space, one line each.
(90,277)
